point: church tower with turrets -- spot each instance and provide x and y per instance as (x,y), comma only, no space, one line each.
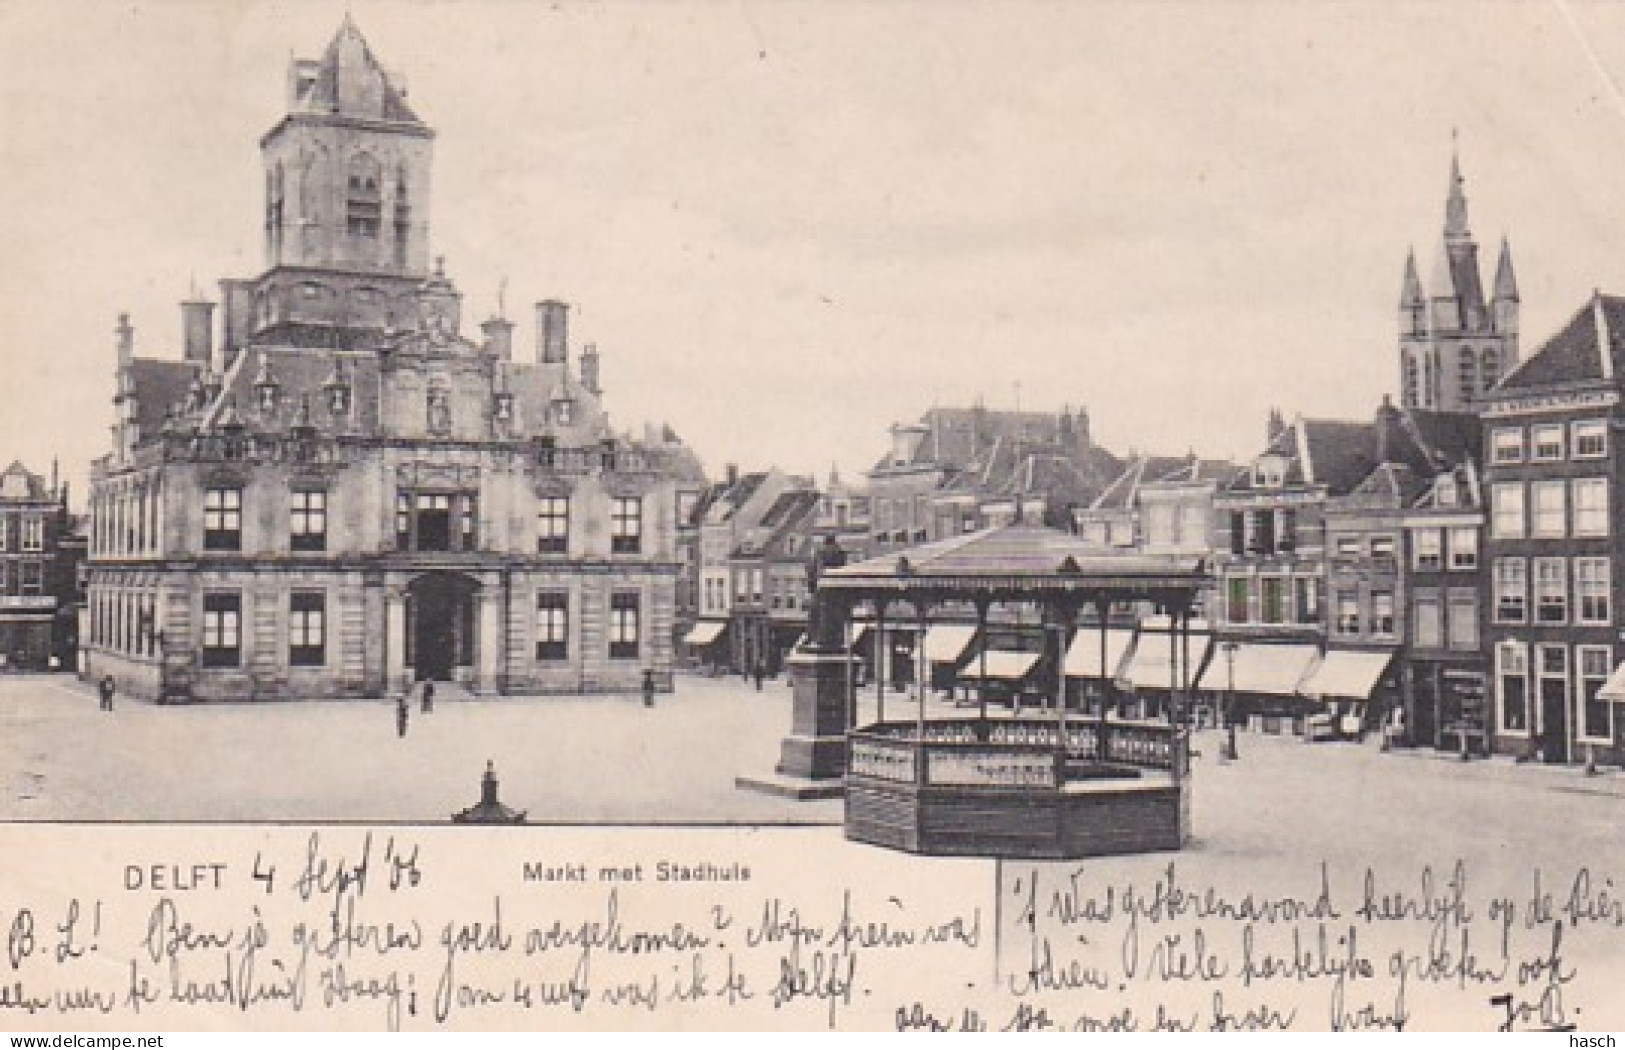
(1453,345)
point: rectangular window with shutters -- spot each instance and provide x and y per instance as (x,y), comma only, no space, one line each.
(307,629)
(624,626)
(222,630)
(1511,584)
(1428,629)
(552,525)
(552,626)
(223,519)
(1512,682)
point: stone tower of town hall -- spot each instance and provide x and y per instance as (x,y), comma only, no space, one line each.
(348,493)
(1453,345)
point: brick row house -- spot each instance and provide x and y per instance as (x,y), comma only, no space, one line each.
(41,551)
(1552,552)
(347,494)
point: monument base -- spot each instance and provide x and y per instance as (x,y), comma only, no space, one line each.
(812,758)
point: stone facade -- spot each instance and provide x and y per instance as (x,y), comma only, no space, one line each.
(349,494)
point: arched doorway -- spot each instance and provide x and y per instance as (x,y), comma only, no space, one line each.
(440,625)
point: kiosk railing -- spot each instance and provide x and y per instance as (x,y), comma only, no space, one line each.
(971,753)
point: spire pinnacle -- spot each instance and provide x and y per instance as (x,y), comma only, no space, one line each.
(1506,284)
(1455,208)
(1411,293)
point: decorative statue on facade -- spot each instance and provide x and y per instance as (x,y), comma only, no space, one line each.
(824,628)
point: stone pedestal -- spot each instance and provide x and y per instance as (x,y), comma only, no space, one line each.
(812,759)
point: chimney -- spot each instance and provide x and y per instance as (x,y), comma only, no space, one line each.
(197,325)
(589,368)
(733,474)
(552,332)
(498,338)
(1387,427)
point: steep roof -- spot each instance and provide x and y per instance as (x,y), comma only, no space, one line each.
(1015,552)
(159,387)
(1575,353)
(19,477)
(351,82)
(789,507)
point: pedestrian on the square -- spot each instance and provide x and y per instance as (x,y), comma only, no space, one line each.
(648,688)
(428,697)
(106,688)
(757,673)
(402,712)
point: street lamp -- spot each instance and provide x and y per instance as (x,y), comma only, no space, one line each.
(1229,753)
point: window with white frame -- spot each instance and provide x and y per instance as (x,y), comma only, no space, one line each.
(1382,546)
(33,534)
(1550,508)
(1592,591)
(1552,675)
(1464,621)
(1588,438)
(1551,590)
(1511,586)
(1238,597)
(1594,664)
(32,578)
(1506,510)
(1546,443)
(1590,506)
(1463,549)
(1306,599)
(1427,629)
(1348,546)
(1348,613)
(1507,445)
(1429,550)
(1382,612)
(1272,599)
(1512,686)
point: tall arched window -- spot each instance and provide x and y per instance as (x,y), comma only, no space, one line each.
(363,204)
(1489,369)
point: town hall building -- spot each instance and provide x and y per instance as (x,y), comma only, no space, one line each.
(346,493)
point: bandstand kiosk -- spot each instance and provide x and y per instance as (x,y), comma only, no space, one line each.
(1045,782)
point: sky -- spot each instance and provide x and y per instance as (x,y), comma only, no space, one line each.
(789,225)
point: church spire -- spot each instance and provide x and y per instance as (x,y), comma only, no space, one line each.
(1411,293)
(1455,208)
(1506,285)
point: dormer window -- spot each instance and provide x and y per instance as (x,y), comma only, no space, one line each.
(1445,492)
(563,410)
(266,388)
(1269,473)
(503,409)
